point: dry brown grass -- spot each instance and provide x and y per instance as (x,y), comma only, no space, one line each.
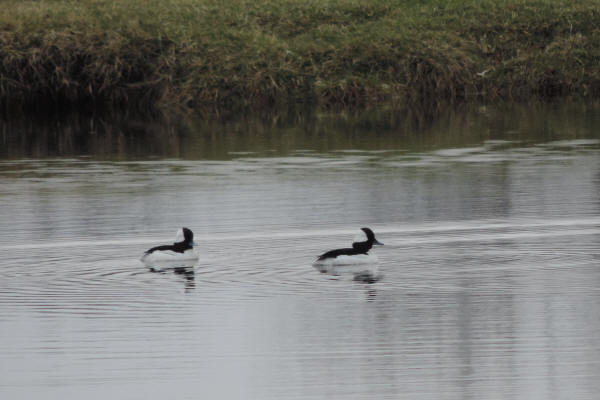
(239,53)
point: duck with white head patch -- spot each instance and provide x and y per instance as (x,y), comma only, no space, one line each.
(181,250)
(358,254)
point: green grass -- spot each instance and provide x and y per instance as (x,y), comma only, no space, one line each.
(264,53)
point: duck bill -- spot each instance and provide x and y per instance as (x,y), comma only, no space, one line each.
(377,242)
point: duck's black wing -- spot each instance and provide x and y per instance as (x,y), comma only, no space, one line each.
(178,247)
(161,248)
(340,252)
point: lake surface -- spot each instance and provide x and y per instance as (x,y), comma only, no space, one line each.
(488,286)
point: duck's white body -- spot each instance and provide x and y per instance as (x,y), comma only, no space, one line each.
(355,261)
(169,256)
(341,260)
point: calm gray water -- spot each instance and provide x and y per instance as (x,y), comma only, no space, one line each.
(489,278)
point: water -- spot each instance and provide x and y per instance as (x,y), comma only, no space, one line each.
(490,273)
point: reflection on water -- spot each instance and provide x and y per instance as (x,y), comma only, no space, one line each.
(487,287)
(407,131)
(184,268)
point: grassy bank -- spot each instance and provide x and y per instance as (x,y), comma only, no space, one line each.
(229,53)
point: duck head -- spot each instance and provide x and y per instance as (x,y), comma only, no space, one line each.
(368,242)
(185,236)
(371,236)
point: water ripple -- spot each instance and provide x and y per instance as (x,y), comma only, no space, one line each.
(489,275)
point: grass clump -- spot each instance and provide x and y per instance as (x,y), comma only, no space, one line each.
(241,53)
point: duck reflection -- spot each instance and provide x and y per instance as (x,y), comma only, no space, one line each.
(184,268)
(367,273)
(189,276)
(367,277)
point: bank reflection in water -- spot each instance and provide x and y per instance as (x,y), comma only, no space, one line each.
(121,137)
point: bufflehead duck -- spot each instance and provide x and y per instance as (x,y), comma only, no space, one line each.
(358,254)
(181,250)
